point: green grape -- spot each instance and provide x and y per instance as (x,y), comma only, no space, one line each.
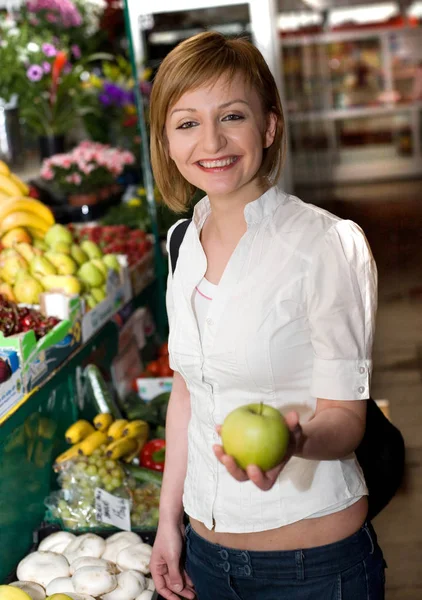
(62,504)
(97,452)
(80,466)
(110,464)
(65,513)
(116,472)
(107,479)
(116,482)
(131,482)
(91,470)
(103,447)
(92,460)
(109,487)
(102,472)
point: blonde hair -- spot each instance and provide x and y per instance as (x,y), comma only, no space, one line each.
(201,60)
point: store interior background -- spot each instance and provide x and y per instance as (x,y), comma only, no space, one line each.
(350,74)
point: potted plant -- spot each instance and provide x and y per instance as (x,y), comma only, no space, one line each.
(88,173)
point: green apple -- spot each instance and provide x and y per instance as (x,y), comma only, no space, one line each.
(255,434)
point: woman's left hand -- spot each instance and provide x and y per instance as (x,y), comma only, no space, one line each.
(264,479)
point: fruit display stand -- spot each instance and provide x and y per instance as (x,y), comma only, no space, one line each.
(32,434)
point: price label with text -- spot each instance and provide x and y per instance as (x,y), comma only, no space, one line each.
(112,510)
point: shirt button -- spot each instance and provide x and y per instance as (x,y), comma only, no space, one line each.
(362,370)
(361,389)
(210,322)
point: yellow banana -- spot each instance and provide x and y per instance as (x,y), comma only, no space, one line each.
(78,431)
(121,447)
(21,184)
(23,219)
(9,187)
(29,205)
(36,234)
(92,442)
(115,431)
(72,452)
(103,421)
(4,169)
(3,198)
(136,428)
(141,442)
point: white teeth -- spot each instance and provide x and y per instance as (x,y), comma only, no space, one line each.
(212,164)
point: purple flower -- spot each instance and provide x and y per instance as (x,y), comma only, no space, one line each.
(49,50)
(52,18)
(76,51)
(104,99)
(46,67)
(35,73)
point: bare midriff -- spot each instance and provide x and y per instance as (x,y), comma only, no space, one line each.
(307,533)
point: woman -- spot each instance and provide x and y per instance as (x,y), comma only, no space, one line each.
(272,300)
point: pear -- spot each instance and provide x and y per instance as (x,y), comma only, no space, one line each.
(7,291)
(61,247)
(59,597)
(27,251)
(97,262)
(58,233)
(14,236)
(41,266)
(11,262)
(98,294)
(112,262)
(90,300)
(91,248)
(27,289)
(67,284)
(40,244)
(78,255)
(64,264)
(90,275)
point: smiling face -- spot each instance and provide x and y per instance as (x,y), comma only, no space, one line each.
(216,135)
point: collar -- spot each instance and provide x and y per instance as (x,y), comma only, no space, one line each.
(255,211)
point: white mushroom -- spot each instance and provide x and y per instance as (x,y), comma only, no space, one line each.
(129,586)
(56,542)
(145,595)
(118,542)
(34,590)
(91,561)
(150,584)
(42,567)
(94,581)
(135,557)
(75,596)
(61,585)
(87,544)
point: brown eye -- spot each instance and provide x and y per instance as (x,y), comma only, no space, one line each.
(187,125)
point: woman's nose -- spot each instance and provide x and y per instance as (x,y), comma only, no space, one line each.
(213,139)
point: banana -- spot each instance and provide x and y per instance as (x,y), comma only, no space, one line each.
(29,205)
(36,234)
(136,429)
(72,452)
(128,458)
(21,184)
(121,447)
(103,421)
(115,431)
(9,187)
(23,219)
(78,431)
(4,169)
(92,442)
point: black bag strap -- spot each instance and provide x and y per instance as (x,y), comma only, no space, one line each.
(176,241)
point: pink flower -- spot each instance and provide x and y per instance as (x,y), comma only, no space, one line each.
(49,50)
(46,67)
(47,174)
(76,51)
(35,73)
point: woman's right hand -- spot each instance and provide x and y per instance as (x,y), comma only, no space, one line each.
(170,578)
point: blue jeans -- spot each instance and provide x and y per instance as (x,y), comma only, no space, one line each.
(351,569)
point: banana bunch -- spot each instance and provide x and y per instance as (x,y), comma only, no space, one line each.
(21,211)
(117,439)
(10,184)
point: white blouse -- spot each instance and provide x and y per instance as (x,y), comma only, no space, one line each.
(292,320)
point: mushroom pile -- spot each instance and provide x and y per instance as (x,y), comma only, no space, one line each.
(87,567)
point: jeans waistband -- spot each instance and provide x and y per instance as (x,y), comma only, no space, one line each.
(285,564)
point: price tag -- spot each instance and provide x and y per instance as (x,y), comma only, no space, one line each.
(112,510)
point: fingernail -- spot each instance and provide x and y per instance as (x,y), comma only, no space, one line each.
(178,587)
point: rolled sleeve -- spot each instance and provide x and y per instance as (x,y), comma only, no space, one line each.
(342,303)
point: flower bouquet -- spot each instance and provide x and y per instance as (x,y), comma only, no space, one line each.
(87,174)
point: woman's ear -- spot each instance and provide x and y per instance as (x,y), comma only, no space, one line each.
(270,130)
